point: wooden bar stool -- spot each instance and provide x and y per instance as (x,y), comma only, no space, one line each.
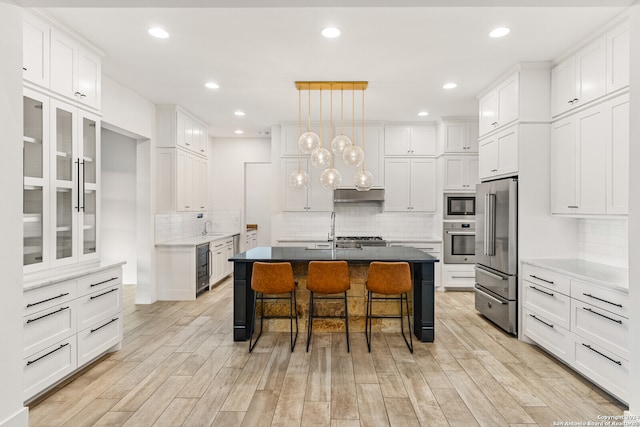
(273,278)
(327,278)
(389,278)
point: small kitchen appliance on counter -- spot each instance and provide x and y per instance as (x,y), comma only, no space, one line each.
(496,285)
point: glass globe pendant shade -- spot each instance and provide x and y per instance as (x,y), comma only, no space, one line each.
(339,144)
(308,141)
(320,158)
(353,156)
(299,179)
(363,180)
(330,178)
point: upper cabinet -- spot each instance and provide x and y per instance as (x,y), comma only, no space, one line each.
(410,140)
(410,185)
(499,154)
(460,136)
(500,106)
(177,128)
(36,45)
(75,71)
(597,69)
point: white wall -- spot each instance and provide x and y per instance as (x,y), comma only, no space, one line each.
(227,157)
(125,109)
(12,413)
(258,200)
(634,212)
(118,189)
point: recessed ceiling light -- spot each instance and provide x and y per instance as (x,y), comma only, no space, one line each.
(449,86)
(238,132)
(331,32)
(211,85)
(158,32)
(239,113)
(499,32)
(423,113)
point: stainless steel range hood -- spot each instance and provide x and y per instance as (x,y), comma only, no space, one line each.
(351,195)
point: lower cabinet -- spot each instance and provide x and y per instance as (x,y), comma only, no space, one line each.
(251,239)
(69,324)
(458,276)
(583,324)
(221,251)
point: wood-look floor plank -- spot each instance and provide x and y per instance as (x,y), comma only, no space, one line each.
(391,386)
(226,419)
(276,368)
(400,413)
(371,405)
(456,411)
(319,381)
(481,408)
(213,398)
(424,402)
(343,400)
(201,380)
(176,412)
(113,419)
(261,409)
(291,401)
(430,368)
(245,386)
(364,369)
(153,407)
(316,414)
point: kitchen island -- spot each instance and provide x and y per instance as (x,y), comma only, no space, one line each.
(422,270)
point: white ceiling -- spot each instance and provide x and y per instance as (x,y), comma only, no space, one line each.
(256,54)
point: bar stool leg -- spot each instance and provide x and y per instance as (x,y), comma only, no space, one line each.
(293,305)
(368,326)
(310,327)
(410,342)
(346,320)
(255,307)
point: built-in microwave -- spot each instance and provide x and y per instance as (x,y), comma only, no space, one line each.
(459,206)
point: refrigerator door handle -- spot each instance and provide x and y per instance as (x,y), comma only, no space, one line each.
(491,228)
(486,226)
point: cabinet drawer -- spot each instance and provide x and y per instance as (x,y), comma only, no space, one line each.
(549,303)
(49,326)
(48,366)
(608,370)
(548,335)
(606,329)
(98,338)
(99,281)
(547,279)
(458,278)
(98,305)
(48,296)
(607,299)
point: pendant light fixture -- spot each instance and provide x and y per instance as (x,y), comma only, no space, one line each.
(363,180)
(340,142)
(299,178)
(320,156)
(309,140)
(353,156)
(331,177)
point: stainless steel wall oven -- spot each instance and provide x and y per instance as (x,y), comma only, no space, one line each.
(459,241)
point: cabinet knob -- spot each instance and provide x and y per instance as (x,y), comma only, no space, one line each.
(575,99)
(77,94)
(24,68)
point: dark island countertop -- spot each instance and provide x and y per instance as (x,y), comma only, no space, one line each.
(361,255)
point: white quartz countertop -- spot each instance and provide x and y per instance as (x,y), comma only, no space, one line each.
(600,274)
(197,240)
(414,240)
(49,277)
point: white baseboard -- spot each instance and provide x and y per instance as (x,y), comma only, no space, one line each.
(19,419)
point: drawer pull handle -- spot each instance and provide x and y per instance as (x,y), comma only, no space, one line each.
(617,362)
(106,324)
(104,281)
(602,315)
(540,278)
(30,362)
(603,300)
(540,290)
(463,277)
(103,294)
(48,299)
(541,321)
(47,315)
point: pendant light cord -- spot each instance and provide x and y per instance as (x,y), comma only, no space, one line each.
(362,130)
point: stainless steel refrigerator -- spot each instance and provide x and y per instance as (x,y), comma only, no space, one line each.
(496,288)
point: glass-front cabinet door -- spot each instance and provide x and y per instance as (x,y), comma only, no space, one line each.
(65,199)
(90,136)
(35,172)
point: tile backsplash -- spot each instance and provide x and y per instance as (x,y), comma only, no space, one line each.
(178,225)
(604,241)
(362,219)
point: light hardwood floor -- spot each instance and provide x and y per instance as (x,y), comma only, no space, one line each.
(180,366)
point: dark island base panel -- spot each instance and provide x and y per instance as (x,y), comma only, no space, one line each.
(421,265)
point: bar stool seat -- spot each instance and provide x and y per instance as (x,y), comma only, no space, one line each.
(388,278)
(327,278)
(273,278)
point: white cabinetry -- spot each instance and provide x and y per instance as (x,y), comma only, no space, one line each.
(409,140)
(221,251)
(373,156)
(75,70)
(182,178)
(312,198)
(460,172)
(589,160)
(410,184)
(499,154)
(36,47)
(251,239)
(460,136)
(500,106)
(584,324)
(458,276)
(599,68)
(177,128)
(69,324)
